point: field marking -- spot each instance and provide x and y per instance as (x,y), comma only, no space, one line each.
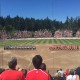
(44,38)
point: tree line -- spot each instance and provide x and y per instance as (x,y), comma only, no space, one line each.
(17,23)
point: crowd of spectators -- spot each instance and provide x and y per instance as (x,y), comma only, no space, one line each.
(58,34)
(22,34)
(42,33)
(63,33)
(67,33)
(26,34)
(68,74)
(38,73)
(38,34)
(3,35)
(78,33)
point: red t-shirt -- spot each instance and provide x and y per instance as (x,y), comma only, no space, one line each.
(67,72)
(12,75)
(0,76)
(37,74)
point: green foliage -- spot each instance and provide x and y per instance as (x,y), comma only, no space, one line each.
(17,23)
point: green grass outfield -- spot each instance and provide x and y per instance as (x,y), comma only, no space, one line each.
(40,41)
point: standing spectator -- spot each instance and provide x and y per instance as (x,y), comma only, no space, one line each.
(67,72)
(78,71)
(62,72)
(1,70)
(12,73)
(24,71)
(43,67)
(37,73)
(72,75)
(58,77)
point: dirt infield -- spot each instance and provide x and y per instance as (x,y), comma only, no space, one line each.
(54,59)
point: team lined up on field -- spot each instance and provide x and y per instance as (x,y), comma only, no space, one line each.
(64,47)
(53,47)
(19,47)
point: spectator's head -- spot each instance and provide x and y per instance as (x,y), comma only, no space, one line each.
(78,71)
(60,69)
(43,66)
(24,71)
(71,72)
(1,70)
(37,61)
(12,62)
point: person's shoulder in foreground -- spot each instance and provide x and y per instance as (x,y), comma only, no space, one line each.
(12,73)
(37,73)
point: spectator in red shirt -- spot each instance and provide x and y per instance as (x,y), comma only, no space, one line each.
(12,73)
(37,73)
(67,72)
(43,67)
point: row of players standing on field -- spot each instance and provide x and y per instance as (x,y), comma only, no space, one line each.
(64,47)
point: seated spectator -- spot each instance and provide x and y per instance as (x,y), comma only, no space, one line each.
(12,73)
(37,73)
